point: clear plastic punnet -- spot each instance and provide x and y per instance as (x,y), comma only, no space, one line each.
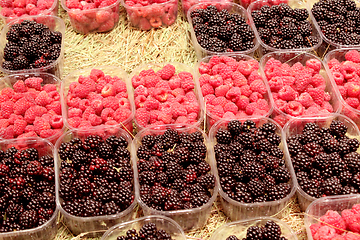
(161,222)
(179,67)
(232,8)
(187,4)
(295,126)
(188,219)
(347,110)
(291,58)
(10,80)
(239,228)
(155,15)
(49,229)
(237,210)
(319,207)
(97,224)
(54,24)
(110,71)
(102,19)
(264,48)
(211,119)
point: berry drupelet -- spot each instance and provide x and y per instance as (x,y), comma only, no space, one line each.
(250,162)
(96,176)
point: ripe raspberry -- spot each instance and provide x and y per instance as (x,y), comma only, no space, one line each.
(217,111)
(254,76)
(352,102)
(287,93)
(204,68)
(305,99)
(245,90)
(187,84)
(74,121)
(246,67)
(8,132)
(275,84)
(165,115)
(317,95)
(250,108)
(151,81)
(20,87)
(47,133)
(333,218)
(178,92)
(219,101)
(108,90)
(314,64)
(327,106)
(34,82)
(161,94)
(142,116)
(19,126)
(140,101)
(166,72)
(43,99)
(191,97)
(238,79)
(258,86)
(317,80)
(192,107)
(111,102)
(348,70)
(8,92)
(81,91)
(41,124)
(56,121)
(163,84)
(222,70)
(216,81)
(255,96)
(353,56)
(94,119)
(272,68)
(141,90)
(84,103)
(178,110)
(221,90)
(353,89)
(263,105)
(22,105)
(338,78)
(302,82)
(33,112)
(233,94)
(137,81)
(294,108)
(7,108)
(242,102)
(49,88)
(231,107)
(174,82)
(122,114)
(4,123)
(151,104)
(88,111)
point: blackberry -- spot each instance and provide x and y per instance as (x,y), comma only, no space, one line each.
(353,161)
(321,161)
(207,181)
(294,147)
(349,190)
(300,14)
(246,139)
(223,136)
(236,43)
(20,62)
(311,41)
(28,219)
(148,141)
(11,52)
(256,187)
(279,191)
(56,37)
(312,149)
(8,65)
(271,230)
(232,237)
(105,150)
(244,197)
(331,186)
(254,170)
(281,174)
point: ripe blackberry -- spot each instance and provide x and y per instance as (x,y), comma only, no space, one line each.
(294,147)
(11,52)
(116,142)
(28,219)
(234,127)
(105,150)
(223,136)
(20,62)
(207,181)
(279,192)
(321,161)
(271,230)
(232,237)
(253,170)
(281,175)
(353,161)
(256,187)
(92,142)
(331,186)
(244,197)
(254,232)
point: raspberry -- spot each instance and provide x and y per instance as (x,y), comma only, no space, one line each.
(258,86)
(255,96)
(108,90)
(352,102)
(122,114)
(174,82)
(245,67)
(4,123)
(34,82)
(141,90)
(338,78)
(238,79)
(8,132)
(22,105)
(33,112)
(83,104)
(333,63)
(8,92)
(263,105)
(19,126)
(217,111)
(137,81)
(275,84)
(204,68)
(111,102)
(178,110)
(178,92)
(140,101)
(254,76)
(166,72)
(352,220)
(56,121)
(250,108)
(314,64)
(47,133)
(142,116)
(41,124)
(222,69)
(287,93)
(151,81)
(317,95)
(187,84)
(216,81)
(348,70)
(192,108)
(353,56)
(294,108)
(81,91)
(305,99)
(231,107)
(318,81)
(124,103)
(161,94)
(219,101)
(302,82)
(353,89)
(245,90)
(333,218)
(151,104)
(88,111)
(165,115)
(242,102)
(221,90)
(233,94)
(94,119)
(191,97)
(325,233)
(43,99)
(20,87)
(7,108)
(49,88)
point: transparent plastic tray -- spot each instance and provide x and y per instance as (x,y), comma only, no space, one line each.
(10,80)
(49,229)
(187,4)
(319,207)
(179,67)
(295,126)
(54,24)
(237,210)
(108,70)
(264,48)
(232,8)
(239,228)
(292,57)
(188,219)
(161,222)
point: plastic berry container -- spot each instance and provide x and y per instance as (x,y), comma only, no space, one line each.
(155,15)
(107,70)
(187,4)
(237,210)
(295,126)
(97,224)
(347,110)
(319,207)
(10,16)
(102,19)
(211,119)
(179,67)
(10,80)
(291,58)
(239,228)
(161,222)
(232,8)
(188,219)
(54,24)
(49,229)
(265,48)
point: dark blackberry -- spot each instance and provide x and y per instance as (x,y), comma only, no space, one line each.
(301,14)
(256,187)
(311,41)
(294,147)
(276,152)
(281,175)
(216,45)
(234,127)
(321,161)
(312,149)
(271,230)
(105,150)
(232,237)
(349,190)
(279,191)
(356,180)
(236,43)
(244,197)
(331,186)
(92,142)
(20,62)
(264,34)
(254,170)
(287,44)
(353,161)
(223,136)
(11,52)
(254,232)
(258,18)
(246,139)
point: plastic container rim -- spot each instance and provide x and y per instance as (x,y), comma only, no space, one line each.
(63,4)
(148,6)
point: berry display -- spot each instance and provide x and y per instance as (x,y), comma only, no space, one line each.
(98,100)
(165,97)
(327,167)
(337,225)
(338,20)
(232,88)
(282,27)
(251,169)
(173,173)
(30,45)
(92,184)
(220,31)
(301,90)
(148,231)
(27,189)
(12,9)
(187,4)
(31,108)
(269,231)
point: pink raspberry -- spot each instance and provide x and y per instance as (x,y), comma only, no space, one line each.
(7,108)
(165,115)
(163,84)
(33,112)
(348,70)
(302,82)
(263,105)
(219,101)
(4,123)
(314,64)
(221,90)
(166,72)
(353,56)
(327,106)
(149,72)
(84,103)
(49,88)
(88,111)
(34,82)
(19,126)
(233,94)
(227,59)
(41,124)
(14,117)
(254,76)
(88,82)
(276,83)
(287,93)
(250,108)
(238,79)
(56,121)
(187,84)
(216,81)
(242,102)
(107,114)
(209,98)
(305,99)
(258,86)
(151,81)
(255,96)
(192,107)
(178,110)
(20,87)
(333,218)
(246,67)
(217,111)
(8,132)
(294,108)
(352,220)
(154,116)
(43,99)
(95,74)
(74,122)
(317,94)
(317,80)
(142,116)
(325,233)
(297,67)
(229,115)
(204,68)
(137,81)
(81,91)
(231,107)
(47,133)
(272,68)
(97,105)
(356,209)
(74,112)
(161,94)
(338,78)
(151,104)
(178,92)
(353,89)
(140,101)
(222,70)
(122,114)
(207,89)
(141,90)
(22,105)
(245,90)
(214,60)
(352,102)
(108,90)
(174,82)
(111,102)
(8,92)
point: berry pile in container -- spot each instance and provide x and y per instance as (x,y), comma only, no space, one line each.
(335,217)
(21,8)
(187,4)
(337,21)
(34,45)
(148,14)
(232,87)
(175,178)
(264,228)
(343,66)
(299,84)
(149,227)
(166,93)
(27,189)
(219,28)
(30,106)
(253,167)
(324,156)
(94,180)
(97,97)
(93,15)
(283,26)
